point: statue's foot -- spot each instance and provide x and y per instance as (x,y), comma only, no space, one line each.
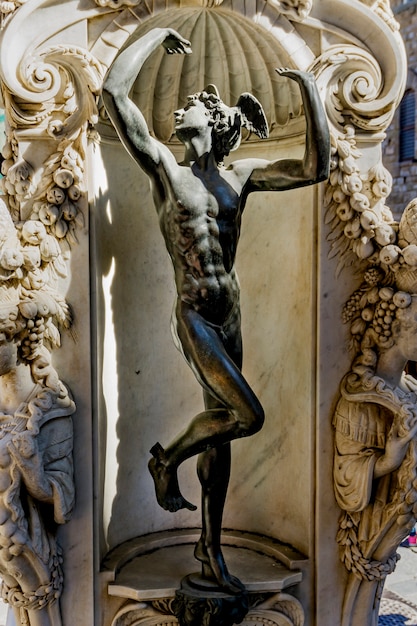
(215,569)
(166,482)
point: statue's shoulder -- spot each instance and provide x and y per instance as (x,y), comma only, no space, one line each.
(244,168)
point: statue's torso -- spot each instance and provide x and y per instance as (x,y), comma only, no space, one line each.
(200,220)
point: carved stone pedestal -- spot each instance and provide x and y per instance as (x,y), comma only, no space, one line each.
(200,602)
(152,571)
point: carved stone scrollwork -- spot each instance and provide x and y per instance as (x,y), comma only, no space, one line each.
(294,9)
(56,91)
(374,481)
(383,9)
(36,472)
(360,104)
(117,4)
(56,99)
(356,91)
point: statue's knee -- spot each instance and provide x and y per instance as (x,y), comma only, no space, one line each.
(254,422)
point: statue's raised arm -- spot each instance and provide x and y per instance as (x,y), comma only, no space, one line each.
(314,166)
(124,114)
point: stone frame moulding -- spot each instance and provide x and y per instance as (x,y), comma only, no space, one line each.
(54,55)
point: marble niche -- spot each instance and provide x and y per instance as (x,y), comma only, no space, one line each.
(301,255)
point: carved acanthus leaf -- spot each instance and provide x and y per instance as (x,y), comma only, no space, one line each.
(18,175)
(60,86)
(296,10)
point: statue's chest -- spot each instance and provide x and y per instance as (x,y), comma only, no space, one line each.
(209,198)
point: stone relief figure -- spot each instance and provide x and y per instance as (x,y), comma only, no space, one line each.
(375,425)
(200,203)
(36,467)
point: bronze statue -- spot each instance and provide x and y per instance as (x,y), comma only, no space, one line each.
(200,204)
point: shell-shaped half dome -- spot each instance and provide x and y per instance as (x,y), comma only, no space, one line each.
(229,51)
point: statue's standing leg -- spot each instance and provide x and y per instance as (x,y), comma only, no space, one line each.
(214,471)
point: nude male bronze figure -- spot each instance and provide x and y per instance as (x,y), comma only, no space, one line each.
(200,203)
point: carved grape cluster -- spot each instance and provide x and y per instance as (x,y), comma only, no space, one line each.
(365,295)
(374,307)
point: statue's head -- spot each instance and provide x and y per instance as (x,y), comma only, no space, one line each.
(227,122)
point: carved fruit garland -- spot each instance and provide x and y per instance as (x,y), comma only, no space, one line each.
(361,225)
(57,206)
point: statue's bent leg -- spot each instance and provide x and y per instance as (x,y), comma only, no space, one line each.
(238,414)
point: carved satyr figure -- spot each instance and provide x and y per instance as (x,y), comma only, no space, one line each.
(36,469)
(376,438)
(200,203)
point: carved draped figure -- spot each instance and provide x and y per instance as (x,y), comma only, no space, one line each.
(363,418)
(30,561)
(361,430)
(377,513)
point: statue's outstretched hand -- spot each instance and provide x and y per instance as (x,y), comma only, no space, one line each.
(175,44)
(297,75)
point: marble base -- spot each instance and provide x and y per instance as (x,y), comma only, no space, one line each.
(152,571)
(200,602)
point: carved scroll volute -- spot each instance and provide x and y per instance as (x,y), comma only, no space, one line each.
(361,87)
(49,92)
(357,91)
(363,82)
